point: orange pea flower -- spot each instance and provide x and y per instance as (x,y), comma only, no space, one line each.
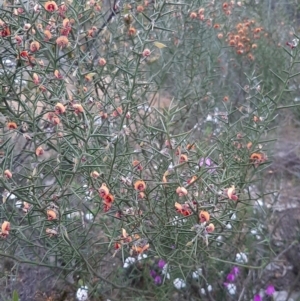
(12,125)
(78,108)
(36,79)
(193,15)
(39,151)
(231,193)
(183,209)
(181,191)
(94,174)
(51,215)
(5,228)
(109,198)
(51,6)
(107,206)
(137,164)
(62,41)
(139,185)
(7,174)
(204,216)
(141,195)
(183,158)
(57,74)
(47,35)
(60,108)
(131,31)
(210,228)
(103,191)
(34,46)
(258,158)
(192,180)
(102,61)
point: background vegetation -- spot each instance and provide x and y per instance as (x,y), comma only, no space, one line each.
(140,151)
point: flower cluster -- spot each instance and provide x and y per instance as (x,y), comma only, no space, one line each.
(137,244)
(269,291)
(243,38)
(106,196)
(159,271)
(230,279)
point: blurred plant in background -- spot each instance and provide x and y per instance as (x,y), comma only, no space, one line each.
(134,139)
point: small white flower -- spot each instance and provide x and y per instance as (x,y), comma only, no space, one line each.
(19,204)
(142,256)
(241,258)
(179,283)
(231,288)
(295,42)
(178,221)
(209,289)
(74,214)
(209,118)
(196,274)
(228,226)
(128,262)
(165,271)
(11,197)
(82,293)
(89,216)
(233,216)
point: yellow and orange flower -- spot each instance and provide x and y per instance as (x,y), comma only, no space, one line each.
(39,151)
(109,198)
(47,35)
(5,228)
(34,46)
(210,228)
(131,31)
(51,215)
(139,185)
(232,194)
(183,209)
(192,180)
(60,108)
(7,174)
(102,61)
(181,191)
(204,216)
(78,108)
(57,74)
(62,41)
(258,158)
(95,174)
(103,191)
(137,164)
(183,158)
(51,6)
(12,125)
(36,79)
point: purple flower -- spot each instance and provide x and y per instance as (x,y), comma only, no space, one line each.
(257,298)
(235,271)
(157,280)
(207,162)
(152,273)
(161,263)
(270,290)
(230,277)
